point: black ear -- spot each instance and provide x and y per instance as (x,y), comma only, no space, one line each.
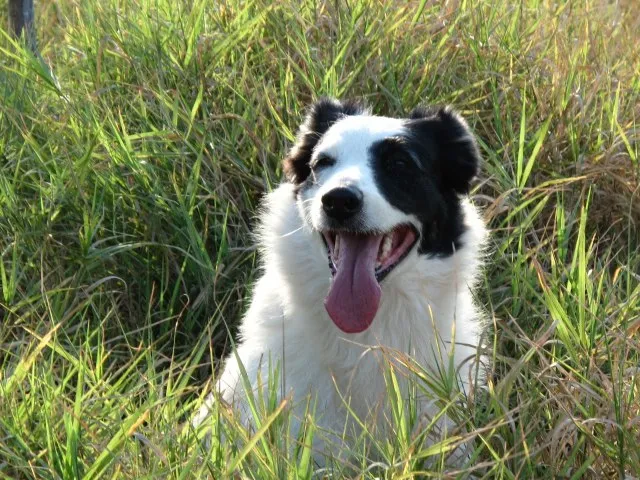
(320,116)
(458,157)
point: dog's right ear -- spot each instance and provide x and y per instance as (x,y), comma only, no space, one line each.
(320,116)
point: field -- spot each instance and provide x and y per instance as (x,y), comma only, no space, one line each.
(133,156)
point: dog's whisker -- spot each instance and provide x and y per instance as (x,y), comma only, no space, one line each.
(292,232)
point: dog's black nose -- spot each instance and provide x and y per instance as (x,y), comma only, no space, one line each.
(342,203)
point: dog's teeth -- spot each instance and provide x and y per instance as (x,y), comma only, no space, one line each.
(386,246)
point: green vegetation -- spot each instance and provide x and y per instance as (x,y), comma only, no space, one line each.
(130,171)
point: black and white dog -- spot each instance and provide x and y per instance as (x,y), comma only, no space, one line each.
(382,199)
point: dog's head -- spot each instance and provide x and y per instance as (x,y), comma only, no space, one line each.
(376,189)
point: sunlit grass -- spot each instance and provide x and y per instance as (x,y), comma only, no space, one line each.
(131,166)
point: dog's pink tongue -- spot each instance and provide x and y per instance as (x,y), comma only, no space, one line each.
(354,293)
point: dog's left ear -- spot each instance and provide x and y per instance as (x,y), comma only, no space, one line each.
(320,116)
(458,157)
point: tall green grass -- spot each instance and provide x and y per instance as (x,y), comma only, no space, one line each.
(131,165)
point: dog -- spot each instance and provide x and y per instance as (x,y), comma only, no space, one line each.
(369,245)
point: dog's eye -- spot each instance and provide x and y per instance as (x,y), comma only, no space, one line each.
(323,161)
(401,161)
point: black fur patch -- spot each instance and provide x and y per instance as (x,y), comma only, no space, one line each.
(321,115)
(458,157)
(424,172)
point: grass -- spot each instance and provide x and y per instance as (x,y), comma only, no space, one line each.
(131,164)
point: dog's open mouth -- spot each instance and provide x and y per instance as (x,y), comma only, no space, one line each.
(358,263)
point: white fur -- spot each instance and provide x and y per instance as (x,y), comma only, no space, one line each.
(423,298)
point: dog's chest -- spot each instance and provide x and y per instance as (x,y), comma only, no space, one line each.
(337,369)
